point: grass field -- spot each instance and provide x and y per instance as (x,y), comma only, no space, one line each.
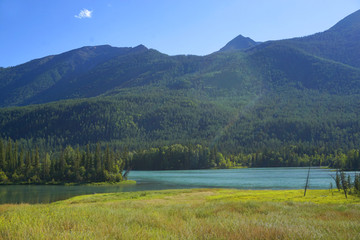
(188,214)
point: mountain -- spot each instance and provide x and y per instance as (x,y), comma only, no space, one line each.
(56,77)
(239,43)
(92,71)
(301,93)
(340,43)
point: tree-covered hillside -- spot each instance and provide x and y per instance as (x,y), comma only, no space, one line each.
(340,43)
(302,93)
(37,80)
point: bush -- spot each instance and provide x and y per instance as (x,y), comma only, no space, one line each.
(3,177)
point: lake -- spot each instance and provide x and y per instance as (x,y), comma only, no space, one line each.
(246,178)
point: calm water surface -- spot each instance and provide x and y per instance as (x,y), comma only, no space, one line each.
(247,178)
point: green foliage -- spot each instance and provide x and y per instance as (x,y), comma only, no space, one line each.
(282,103)
(339,43)
(357,183)
(106,161)
(197,157)
(3,177)
(68,165)
(347,184)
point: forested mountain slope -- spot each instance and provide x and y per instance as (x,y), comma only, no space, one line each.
(301,92)
(340,43)
(37,80)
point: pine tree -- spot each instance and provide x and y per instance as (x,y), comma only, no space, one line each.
(337,180)
(357,183)
(46,166)
(88,158)
(9,156)
(28,165)
(77,163)
(21,160)
(36,161)
(107,159)
(15,157)
(98,162)
(62,166)
(2,156)
(53,173)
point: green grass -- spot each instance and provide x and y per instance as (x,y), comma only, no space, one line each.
(313,196)
(188,214)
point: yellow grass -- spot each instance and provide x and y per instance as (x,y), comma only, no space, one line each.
(188,214)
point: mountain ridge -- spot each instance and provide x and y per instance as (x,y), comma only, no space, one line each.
(38,75)
(339,43)
(302,93)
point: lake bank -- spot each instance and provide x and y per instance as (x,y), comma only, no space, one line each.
(246,178)
(71,184)
(126,182)
(187,214)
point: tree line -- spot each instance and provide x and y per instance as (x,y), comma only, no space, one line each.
(104,162)
(177,157)
(18,165)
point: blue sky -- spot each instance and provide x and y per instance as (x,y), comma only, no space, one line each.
(37,28)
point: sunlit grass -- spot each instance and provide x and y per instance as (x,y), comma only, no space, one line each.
(188,214)
(314,196)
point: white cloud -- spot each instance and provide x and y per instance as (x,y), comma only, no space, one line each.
(85,13)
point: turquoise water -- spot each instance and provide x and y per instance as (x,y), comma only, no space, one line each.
(247,178)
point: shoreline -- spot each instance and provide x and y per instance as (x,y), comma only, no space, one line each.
(71,184)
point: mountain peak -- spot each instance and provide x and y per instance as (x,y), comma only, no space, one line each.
(239,43)
(140,48)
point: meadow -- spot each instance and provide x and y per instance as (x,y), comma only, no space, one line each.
(188,214)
